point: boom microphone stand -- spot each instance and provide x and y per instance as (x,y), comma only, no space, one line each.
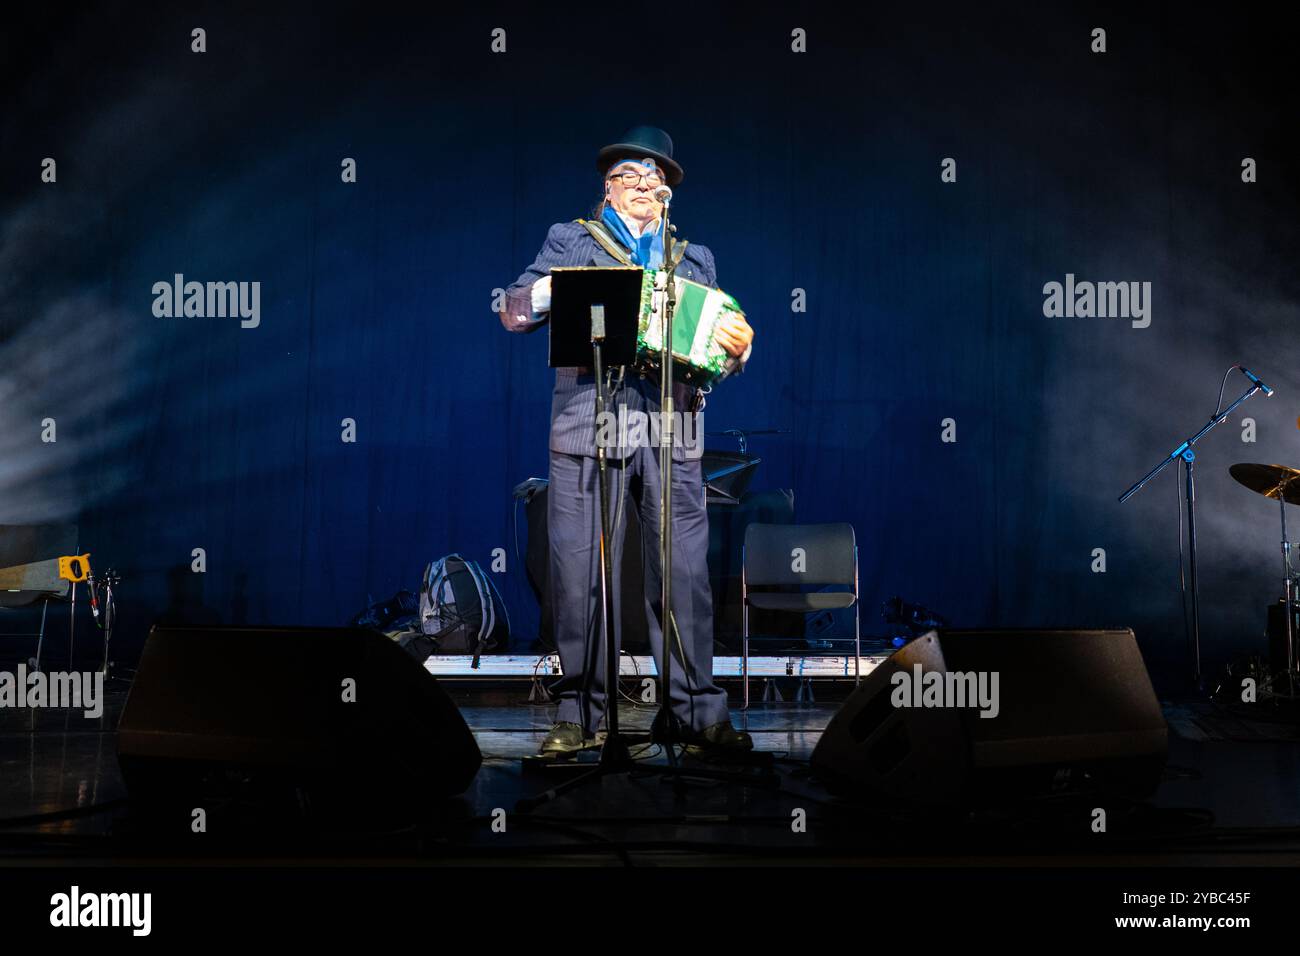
(1184,451)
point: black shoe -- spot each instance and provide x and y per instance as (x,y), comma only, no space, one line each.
(722,738)
(565,738)
(716,738)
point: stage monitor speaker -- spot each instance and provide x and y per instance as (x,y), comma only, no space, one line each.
(1074,713)
(338,717)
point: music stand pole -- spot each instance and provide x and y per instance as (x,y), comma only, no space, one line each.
(614,751)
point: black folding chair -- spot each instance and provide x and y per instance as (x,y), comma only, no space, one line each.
(794,555)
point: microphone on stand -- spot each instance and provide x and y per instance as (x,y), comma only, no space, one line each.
(1255,379)
(664,195)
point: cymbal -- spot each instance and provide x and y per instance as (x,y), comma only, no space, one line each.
(1271,481)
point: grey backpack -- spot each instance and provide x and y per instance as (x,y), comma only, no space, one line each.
(461,609)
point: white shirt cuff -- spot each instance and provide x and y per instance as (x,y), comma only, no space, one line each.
(542,295)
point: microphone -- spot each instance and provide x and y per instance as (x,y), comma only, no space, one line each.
(664,195)
(1255,378)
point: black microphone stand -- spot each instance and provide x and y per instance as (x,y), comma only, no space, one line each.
(1184,451)
(668,626)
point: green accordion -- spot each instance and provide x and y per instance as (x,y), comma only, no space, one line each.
(699,359)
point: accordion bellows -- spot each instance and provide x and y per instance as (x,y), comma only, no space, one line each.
(700,359)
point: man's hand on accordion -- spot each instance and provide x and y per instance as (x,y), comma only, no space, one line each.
(734,334)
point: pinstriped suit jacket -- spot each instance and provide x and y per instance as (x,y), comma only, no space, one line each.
(573,401)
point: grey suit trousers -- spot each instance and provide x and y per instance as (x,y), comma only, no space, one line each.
(574,520)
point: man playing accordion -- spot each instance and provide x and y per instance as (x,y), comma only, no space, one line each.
(627,231)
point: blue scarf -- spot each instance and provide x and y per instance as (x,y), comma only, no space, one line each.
(647,251)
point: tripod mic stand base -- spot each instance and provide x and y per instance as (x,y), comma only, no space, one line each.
(591,753)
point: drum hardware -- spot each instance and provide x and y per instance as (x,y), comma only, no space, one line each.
(1283,484)
(1275,636)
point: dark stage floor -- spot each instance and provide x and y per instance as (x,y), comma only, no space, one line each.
(1230,795)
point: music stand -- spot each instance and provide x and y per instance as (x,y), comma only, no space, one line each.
(574,291)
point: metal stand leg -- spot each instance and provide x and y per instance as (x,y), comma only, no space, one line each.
(45,607)
(72,624)
(857,624)
(744,633)
(1189,457)
(1288,596)
(537,693)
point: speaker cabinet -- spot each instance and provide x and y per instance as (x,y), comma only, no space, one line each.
(342,718)
(1070,712)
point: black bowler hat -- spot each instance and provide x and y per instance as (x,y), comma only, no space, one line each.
(638,143)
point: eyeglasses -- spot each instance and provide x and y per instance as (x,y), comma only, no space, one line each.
(631,179)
